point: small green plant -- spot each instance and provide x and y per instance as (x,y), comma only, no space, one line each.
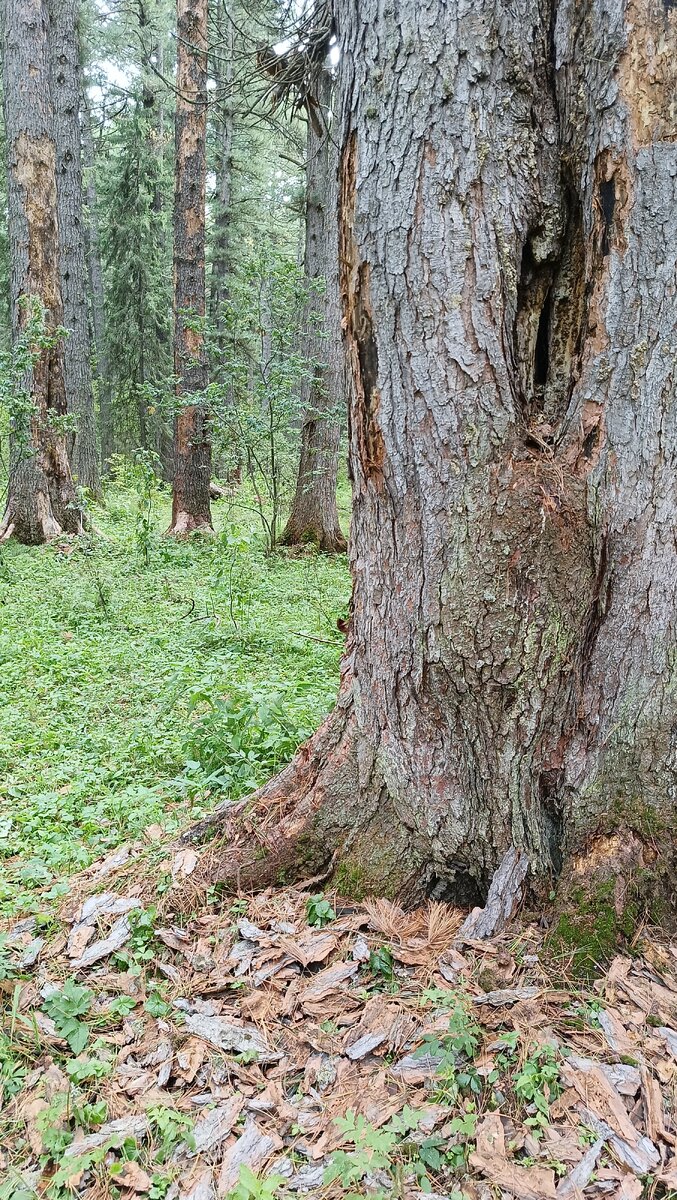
(455,1051)
(66,1006)
(252,1187)
(537,1084)
(371,1151)
(381,962)
(171,1129)
(12,1070)
(87,1070)
(156,1005)
(7,967)
(140,948)
(319,911)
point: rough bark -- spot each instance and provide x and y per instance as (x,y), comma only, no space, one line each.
(508,226)
(41,500)
(192,448)
(66,93)
(314,515)
(221,253)
(98,300)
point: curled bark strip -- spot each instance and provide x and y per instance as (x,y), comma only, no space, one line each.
(504,893)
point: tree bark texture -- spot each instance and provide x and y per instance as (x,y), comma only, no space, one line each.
(314,514)
(97,294)
(221,252)
(508,245)
(41,501)
(192,449)
(66,92)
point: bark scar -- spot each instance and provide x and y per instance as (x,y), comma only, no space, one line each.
(358,324)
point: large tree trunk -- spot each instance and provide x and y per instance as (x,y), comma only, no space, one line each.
(314,515)
(66,92)
(98,300)
(192,448)
(41,501)
(508,221)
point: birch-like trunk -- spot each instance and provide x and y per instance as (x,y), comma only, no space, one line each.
(41,500)
(191,510)
(314,514)
(66,92)
(508,233)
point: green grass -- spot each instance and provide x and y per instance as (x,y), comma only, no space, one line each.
(133,694)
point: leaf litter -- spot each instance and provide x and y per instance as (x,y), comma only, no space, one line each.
(382,1053)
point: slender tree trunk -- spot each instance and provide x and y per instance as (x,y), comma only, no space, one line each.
(66,93)
(192,449)
(98,301)
(221,265)
(41,501)
(314,515)
(508,225)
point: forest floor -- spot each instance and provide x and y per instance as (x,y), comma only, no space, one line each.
(141,679)
(160,1042)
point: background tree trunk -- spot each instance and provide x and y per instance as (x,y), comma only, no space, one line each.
(508,233)
(66,93)
(41,501)
(192,449)
(314,515)
(98,300)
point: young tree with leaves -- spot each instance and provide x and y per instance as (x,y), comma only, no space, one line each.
(191,509)
(41,500)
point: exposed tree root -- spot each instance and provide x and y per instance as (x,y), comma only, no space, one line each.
(183,524)
(328,541)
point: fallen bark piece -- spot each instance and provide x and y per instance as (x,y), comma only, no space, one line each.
(365,1044)
(114,1133)
(505,996)
(653,1109)
(312,948)
(416,1068)
(615,1032)
(107,904)
(326,981)
(197,1184)
(504,892)
(225,1035)
(132,1176)
(624,1078)
(640,1157)
(579,1176)
(120,933)
(599,1095)
(213,1128)
(631,1189)
(110,864)
(670,1038)
(31,953)
(489,1158)
(252,1149)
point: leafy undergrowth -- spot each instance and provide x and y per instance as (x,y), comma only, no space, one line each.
(141,678)
(294,1044)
